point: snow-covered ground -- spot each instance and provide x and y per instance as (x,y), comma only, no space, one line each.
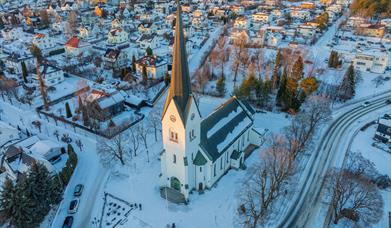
(362,143)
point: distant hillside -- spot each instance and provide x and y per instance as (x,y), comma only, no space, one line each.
(371,8)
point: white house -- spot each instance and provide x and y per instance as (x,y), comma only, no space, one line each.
(117,36)
(12,33)
(300,14)
(261,17)
(155,66)
(51,75)
(198,150)
(75,46)
(44,43)
(374,61)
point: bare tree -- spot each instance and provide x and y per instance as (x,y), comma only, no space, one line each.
(268,181)
(154,122)
(354,197)
(113,150)
(142,132)
(258,59)
(315,111)
(72,20)
(134,141)
(378,81)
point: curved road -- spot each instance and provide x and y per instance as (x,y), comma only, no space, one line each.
(299,212)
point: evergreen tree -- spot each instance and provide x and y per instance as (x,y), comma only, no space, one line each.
(56,189)
(24,214)
(149,51)
(297,69)
(347,87)
(220,86)
(133,64)
(275,76)
(145,75)
(281,94)
(68,110)
(8,198)
(333,59)
(24,71)
(39,190)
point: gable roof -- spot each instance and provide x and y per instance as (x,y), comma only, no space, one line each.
(73,42)
(222,127)
(199,159)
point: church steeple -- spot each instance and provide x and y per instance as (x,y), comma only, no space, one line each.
(180,87)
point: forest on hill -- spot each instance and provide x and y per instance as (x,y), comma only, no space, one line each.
(371,8)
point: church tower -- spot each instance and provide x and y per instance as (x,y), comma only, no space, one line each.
(180,122)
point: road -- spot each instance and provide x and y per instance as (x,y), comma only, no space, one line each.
(336,135)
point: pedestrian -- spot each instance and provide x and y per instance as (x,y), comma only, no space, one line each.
(173,225)
(139,206)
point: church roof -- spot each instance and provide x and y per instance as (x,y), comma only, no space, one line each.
(199,159)
(223,127)
(180,87)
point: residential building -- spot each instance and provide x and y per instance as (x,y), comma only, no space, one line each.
(373,61)
(155,66)
(383,131)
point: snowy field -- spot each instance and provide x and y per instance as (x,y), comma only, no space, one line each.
(362,143)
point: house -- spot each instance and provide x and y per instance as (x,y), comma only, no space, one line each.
(44,43)
(383,131)
(355,21)
(300,14)
(75,46)
(155,66)
(20,156)
(307,31)
(373,30)
(261,17)
(198,150)
(308,5)
(241,23)
(146,28)
(371,60)
(13,63)
(117,36)
(146,41)
(50,74)
(326,2)
(10,34)
(115,59)
(106,105)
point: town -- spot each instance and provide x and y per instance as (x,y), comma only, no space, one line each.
(197,113)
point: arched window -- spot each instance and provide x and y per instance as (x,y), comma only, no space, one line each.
(173,135)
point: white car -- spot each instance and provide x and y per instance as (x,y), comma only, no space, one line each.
(73,206)
(365,104)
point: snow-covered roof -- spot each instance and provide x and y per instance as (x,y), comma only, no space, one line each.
(41,148)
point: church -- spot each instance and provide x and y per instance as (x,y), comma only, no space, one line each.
(198,150)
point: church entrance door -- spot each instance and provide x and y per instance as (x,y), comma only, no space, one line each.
(175,183)
(200,187)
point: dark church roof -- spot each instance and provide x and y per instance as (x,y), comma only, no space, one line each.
(223,127)
(180,87)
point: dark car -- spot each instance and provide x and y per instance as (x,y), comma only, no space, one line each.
(68,222)
(78,190)
(73,206)
(388,101)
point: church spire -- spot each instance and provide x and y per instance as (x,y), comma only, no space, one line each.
(180,87)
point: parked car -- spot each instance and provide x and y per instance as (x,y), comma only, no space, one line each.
(365,104)
(68,222)
(73,206)
(388,101)
(78,190)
